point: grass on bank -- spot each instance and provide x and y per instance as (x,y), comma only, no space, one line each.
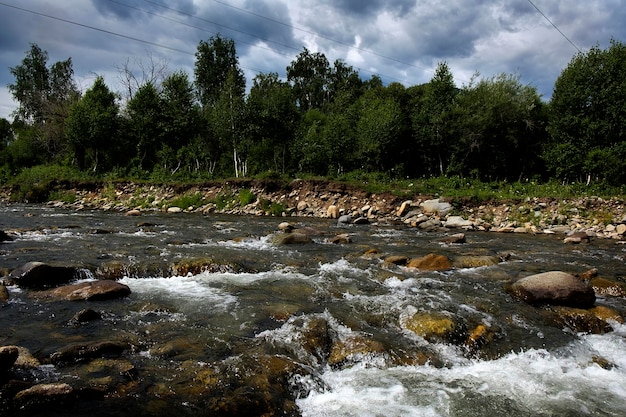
(54,182)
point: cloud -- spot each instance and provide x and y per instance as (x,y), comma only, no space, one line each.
(401,40)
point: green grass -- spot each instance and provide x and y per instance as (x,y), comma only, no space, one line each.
(188,200)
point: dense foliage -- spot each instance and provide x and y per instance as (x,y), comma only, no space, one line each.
(323,120)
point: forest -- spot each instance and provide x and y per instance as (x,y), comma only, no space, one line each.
(324,120)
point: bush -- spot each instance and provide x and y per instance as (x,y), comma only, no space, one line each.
(246,197)
(188,200)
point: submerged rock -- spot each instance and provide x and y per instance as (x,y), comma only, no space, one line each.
(554,287)
(455,238)
(38,275)
(82,351)
(476,261)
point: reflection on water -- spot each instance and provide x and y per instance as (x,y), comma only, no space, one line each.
(530,366)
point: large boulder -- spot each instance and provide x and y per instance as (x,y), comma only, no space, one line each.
(88,291)
(38,275)
(555,288)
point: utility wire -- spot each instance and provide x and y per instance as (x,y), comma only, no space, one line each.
(553,25)
(109,32)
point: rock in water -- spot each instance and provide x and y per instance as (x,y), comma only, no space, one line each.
(38,275)
(555,288)
(89,291)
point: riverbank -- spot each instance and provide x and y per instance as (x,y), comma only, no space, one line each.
(578,218)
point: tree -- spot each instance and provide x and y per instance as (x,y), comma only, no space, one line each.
(44,95)
(227,121)
(430,119)
(309,76)
(497,127)
(587,118)
(145,115)
(150,72)
(270,120)
(215,61)
(92,127)
(181,119)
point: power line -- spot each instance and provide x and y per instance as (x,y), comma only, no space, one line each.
(109,32)
(553,25)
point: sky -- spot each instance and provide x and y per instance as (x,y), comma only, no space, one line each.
(399,40)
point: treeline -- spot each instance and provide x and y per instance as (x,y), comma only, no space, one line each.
(323,120)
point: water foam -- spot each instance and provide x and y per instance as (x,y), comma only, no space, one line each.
(534,382)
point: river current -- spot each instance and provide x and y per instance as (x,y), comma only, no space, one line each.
(530,367)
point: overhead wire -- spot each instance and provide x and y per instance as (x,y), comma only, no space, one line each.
(110,32)
(554,25)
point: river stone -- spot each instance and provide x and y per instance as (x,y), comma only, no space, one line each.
(581,320)
(332,212)
(345,219)
(621,229)
(290,238)
(431,326)
(431,262)
(436,206)
(455,238)
(8,356)
(88,351)
(353,349)
(26,360)
(396,260)
(577,237)
(89,291)
(38,275)
(475,261)
(429,225)
(404,208)
(342,238)
(44,393)
(457,221)
(603,286)
(4,293)
(85,315)
(553,287)
(5,237)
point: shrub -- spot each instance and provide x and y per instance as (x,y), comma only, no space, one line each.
(246,197)
(188,200)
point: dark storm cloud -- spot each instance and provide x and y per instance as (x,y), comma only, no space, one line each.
(401,40)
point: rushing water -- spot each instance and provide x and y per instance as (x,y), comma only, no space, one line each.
(531,367)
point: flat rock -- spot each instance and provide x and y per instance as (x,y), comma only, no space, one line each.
(555,288)
(458,221)
(89,291)
(436,206)
(431,262)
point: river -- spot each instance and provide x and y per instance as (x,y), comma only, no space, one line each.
(269,293)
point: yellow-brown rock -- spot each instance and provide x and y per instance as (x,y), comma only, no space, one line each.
(603,286)
(431,326)
(353,348)
(431,262)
